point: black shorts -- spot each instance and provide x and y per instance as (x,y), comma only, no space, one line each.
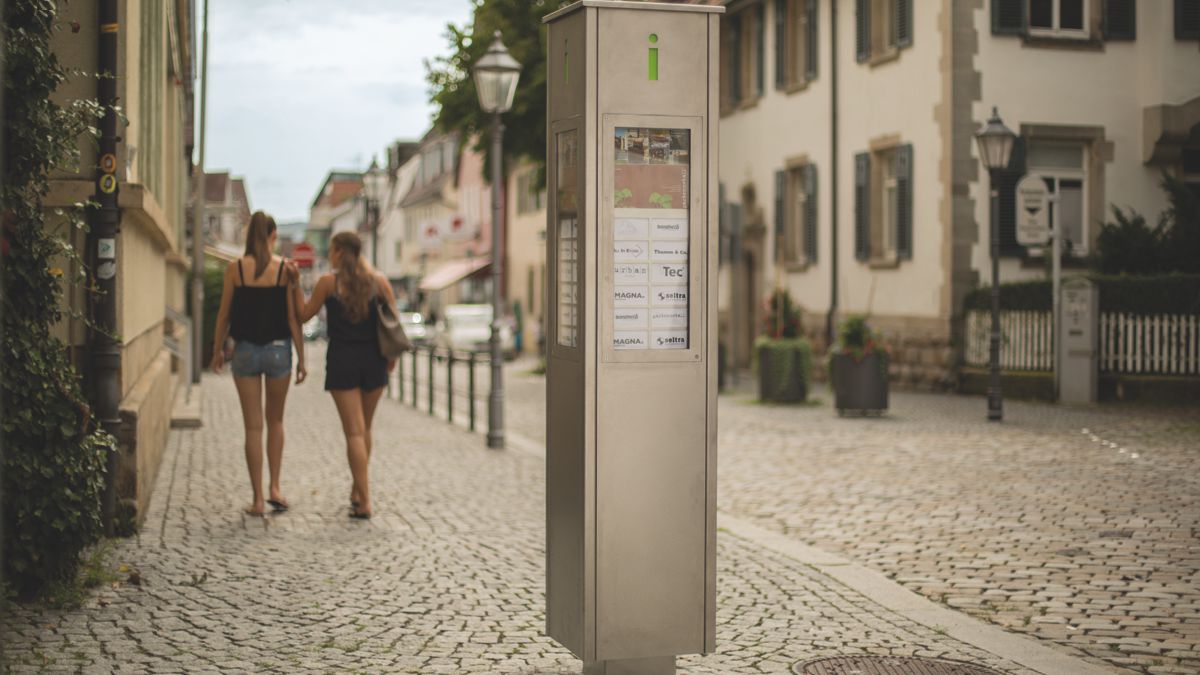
(354,365)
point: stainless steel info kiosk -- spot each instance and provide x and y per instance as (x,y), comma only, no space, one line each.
(631,333)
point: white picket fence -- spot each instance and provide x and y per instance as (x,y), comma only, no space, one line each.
(1161,344)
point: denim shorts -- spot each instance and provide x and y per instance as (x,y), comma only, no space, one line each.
(273,359)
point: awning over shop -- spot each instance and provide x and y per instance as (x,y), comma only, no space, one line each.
(452,272)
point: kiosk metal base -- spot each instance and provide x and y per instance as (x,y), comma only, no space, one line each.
(658,665)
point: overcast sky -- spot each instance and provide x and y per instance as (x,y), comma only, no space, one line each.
(299,87)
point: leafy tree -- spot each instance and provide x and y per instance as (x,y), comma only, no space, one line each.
(54,456)
(452,88)
(1131,246)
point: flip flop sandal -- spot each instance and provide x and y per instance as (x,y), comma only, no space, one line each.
(359,515)
(278,505)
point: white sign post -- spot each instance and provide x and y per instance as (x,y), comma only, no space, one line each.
(1033,211)
(1033,206)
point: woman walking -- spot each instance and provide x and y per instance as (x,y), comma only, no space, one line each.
(355,370)
(258,313)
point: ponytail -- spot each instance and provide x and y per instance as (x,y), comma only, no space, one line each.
(261,227)
(357,286)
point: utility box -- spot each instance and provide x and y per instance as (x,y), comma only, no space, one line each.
(631,453)
(1080,306)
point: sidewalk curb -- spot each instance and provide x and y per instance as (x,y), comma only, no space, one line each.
(873,585)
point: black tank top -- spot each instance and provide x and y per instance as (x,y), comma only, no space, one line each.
(340,327)
(259,313)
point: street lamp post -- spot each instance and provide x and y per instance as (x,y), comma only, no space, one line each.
(995,147)
(496,83)
(373,187)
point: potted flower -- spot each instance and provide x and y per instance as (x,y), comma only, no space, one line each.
(784,357)
(858,365)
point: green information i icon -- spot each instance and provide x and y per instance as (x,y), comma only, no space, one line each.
(653,57)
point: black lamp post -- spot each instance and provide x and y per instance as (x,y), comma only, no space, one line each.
(995,147)
(373,186)
(496,83)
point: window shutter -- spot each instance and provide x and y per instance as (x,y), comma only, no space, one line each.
(810,211)
(1006,185)
(904,22)
(780,190)
(1120,19)
(1187,19)
(862,206)
(904,193)
(810,41)
(761,51)
(862,29)
(1008,17)
(735,59)
(780,44)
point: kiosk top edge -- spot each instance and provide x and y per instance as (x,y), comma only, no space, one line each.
(633,4)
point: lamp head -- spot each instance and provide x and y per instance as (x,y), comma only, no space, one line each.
(496,77)
(995,143)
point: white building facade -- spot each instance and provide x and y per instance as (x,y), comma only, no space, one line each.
(848,166)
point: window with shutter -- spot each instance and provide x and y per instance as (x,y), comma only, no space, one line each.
(862,30)
(904,23)
(811,29)
(1187,19)
(781,43)
(1006,187)
(862,206)
(1008,17)
(1120,19)
(780,201)
(760,48)
(904,203)
(810,213)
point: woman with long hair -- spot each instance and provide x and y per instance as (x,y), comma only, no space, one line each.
(260,315)
(355,370)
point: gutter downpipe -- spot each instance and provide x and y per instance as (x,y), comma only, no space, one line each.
(103,250)
(831,317)
(198,219)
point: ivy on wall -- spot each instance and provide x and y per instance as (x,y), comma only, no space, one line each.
(54,454)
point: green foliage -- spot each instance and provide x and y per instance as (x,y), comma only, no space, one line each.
(1131,246)
(783,316)
(452,89)
(54,461)
(857,339)
(785,368)
(621,196)
(214,283)
(1158,294)
(663,201)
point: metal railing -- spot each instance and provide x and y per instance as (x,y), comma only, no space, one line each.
(436,391)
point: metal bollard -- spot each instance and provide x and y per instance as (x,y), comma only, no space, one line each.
(450,386)
(400,378)
(471,389)
(416,393)
(431,359)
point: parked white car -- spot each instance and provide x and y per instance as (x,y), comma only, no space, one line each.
(469,328)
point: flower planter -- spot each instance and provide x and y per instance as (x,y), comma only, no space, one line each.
(860,386)
(783,370)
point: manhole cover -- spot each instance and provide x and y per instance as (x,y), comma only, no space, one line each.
(888,665)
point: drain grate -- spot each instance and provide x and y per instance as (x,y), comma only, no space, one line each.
(888,665)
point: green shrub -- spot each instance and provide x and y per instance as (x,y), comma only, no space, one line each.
(785,368)
(1161,294)
(54,457)
(783,316)
(858,339)
(214,281)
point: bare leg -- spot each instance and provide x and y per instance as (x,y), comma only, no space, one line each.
(370,400)
(277,390)
(349,404)
(250,394)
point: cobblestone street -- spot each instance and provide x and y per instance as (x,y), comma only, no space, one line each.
(448,577)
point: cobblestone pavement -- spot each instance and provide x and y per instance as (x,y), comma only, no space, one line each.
(447,578)
(1080,526)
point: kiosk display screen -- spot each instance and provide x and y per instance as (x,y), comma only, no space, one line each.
(567,236)
(650,238)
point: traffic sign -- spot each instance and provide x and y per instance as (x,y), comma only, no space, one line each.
(303,254)
(1033,211)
